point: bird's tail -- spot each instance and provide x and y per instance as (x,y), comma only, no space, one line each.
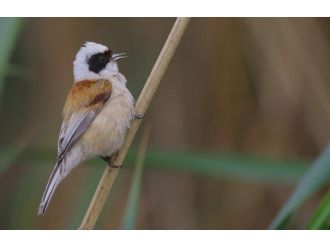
(55,178)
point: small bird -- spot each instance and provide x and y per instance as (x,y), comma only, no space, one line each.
(96,115)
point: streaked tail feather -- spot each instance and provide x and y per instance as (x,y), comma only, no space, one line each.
(53,182)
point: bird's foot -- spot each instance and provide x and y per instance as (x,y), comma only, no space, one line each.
(109,162)
(106,158)
(138,116)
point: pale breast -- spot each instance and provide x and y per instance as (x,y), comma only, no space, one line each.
(107,132)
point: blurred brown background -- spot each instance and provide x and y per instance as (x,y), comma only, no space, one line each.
(243,85)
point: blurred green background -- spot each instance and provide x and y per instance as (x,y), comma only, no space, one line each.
(237,125)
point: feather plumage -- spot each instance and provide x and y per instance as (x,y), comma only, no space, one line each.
(85,100)
(96,115)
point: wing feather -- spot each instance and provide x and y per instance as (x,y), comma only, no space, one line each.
(85,100)
(77,121)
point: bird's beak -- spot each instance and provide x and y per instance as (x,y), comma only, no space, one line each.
(118,56)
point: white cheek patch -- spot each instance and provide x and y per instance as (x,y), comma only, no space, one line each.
(81,69)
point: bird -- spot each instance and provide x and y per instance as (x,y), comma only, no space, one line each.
(97,113)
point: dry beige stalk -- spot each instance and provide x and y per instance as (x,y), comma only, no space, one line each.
(141,107)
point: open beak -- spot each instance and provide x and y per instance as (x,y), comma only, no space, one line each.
(118,56)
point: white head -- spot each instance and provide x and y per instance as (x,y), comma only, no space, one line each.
(94,61)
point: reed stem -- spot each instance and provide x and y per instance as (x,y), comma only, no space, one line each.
(141,107)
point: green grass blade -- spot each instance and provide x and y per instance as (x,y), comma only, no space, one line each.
(130,213)
(233,166)
(9,28)
(313,180)
(321,214)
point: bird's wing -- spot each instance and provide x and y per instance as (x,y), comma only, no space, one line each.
(85,100)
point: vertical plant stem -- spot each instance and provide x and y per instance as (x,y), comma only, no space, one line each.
(141,107)
(130,213)
(9,29)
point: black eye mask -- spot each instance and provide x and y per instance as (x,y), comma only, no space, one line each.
(98,61)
